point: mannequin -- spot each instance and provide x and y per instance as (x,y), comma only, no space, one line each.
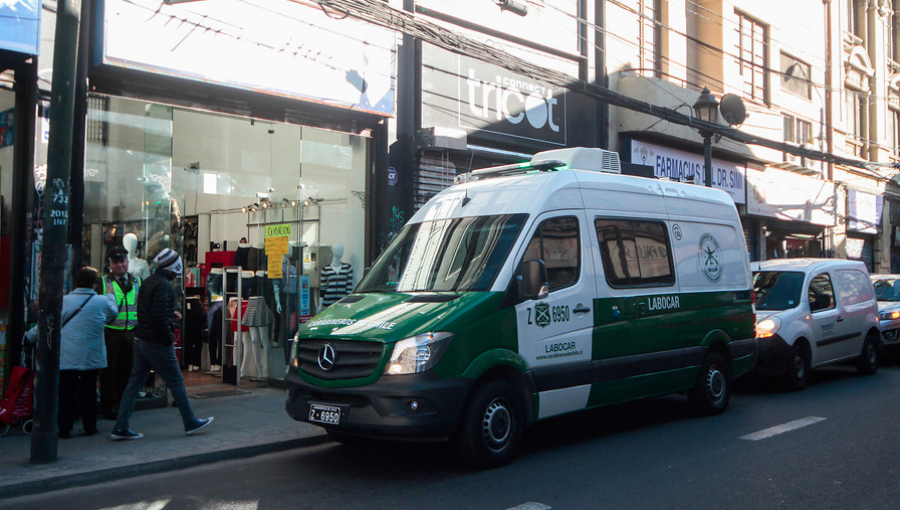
(258,318)
(137,267)
(214,332)
(250,365)
(214,281)
(336,279)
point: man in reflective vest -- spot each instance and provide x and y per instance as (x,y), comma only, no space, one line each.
(118,334)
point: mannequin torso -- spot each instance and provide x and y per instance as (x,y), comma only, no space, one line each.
(137,267)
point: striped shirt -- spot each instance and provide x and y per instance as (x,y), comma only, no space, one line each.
(336,284)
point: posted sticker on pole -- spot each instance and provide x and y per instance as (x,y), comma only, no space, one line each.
(277,247)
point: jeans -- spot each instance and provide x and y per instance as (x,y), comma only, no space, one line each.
(161,358)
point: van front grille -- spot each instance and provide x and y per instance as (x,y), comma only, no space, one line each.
(352,360)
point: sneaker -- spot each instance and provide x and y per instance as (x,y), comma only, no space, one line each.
(119,435)
(200,425)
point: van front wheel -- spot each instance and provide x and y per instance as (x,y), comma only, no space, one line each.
(492,426)
(711,393)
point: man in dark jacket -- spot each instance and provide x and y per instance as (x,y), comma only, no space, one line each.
(154,348)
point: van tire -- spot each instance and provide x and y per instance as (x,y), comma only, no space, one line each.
(492,425)
(711,393)
(867,364)
(796,374)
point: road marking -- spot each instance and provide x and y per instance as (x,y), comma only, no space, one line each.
(530,506)
(781,429)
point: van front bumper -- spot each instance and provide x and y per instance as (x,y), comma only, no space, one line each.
(422,406)
(773,355)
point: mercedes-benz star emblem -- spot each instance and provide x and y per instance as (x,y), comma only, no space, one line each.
(326,357)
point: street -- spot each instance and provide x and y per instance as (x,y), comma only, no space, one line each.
(831,446)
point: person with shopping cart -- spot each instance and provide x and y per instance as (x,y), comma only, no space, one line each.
(82,351)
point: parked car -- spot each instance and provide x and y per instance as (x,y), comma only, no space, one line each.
(811,313)
(887,291)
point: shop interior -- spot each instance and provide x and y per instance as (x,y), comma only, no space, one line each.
(269,219)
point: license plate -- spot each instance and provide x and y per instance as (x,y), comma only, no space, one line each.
(330,415)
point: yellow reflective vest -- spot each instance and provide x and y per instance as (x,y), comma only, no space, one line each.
(127,303)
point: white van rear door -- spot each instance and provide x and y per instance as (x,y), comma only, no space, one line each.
(554,334)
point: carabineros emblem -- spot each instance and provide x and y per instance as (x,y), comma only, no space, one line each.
(542,314)
(710,258)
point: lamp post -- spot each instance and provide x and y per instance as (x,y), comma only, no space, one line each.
(706,108)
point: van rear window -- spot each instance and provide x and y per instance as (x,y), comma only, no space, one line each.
(635,253)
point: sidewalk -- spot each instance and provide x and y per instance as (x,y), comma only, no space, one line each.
(246,425)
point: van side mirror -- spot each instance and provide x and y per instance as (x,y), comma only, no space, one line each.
(533,282)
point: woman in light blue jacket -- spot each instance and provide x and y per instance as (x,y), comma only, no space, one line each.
(82,351)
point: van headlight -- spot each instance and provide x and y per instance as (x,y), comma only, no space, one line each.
(768,327)
(418,354)
(294,361)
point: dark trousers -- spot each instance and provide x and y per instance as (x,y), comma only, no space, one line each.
(77,388)
(160,358)
(119,359)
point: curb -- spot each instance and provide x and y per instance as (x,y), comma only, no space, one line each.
(159,466)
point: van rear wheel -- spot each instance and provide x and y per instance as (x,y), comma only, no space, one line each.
(711,393)
(867,364)
(492,425)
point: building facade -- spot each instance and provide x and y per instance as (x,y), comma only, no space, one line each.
(232,121)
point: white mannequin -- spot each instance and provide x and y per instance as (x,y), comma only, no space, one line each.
(337,251)
(137,267)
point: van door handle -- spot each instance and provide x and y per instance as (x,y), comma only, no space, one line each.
(580,308)
(840,319)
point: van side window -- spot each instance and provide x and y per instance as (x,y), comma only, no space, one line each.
(635,253)
(556,241)
(855,286)
(821,293)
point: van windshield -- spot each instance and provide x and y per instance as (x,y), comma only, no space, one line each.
(887,289)
(460,254)
(777,290)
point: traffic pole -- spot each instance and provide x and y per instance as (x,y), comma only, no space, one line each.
(56,216)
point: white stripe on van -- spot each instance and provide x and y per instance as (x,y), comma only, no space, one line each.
(563,400)
(781,429)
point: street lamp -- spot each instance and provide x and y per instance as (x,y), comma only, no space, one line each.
(707,109)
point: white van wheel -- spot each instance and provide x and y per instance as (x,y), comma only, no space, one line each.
(712,392)
(796,375)
(492,425)
(867,364)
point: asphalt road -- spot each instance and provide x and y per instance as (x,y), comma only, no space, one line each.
(831,446)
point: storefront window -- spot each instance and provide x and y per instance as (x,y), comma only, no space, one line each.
(207,185)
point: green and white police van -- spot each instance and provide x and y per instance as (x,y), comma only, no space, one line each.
(530,291)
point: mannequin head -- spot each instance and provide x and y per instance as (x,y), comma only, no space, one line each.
(129,241)
(337,251)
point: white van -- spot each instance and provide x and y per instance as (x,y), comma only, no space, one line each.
(812,313)
(530,291)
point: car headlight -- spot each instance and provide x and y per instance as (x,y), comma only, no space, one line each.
(889,315)
(768,327)
(418,354)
